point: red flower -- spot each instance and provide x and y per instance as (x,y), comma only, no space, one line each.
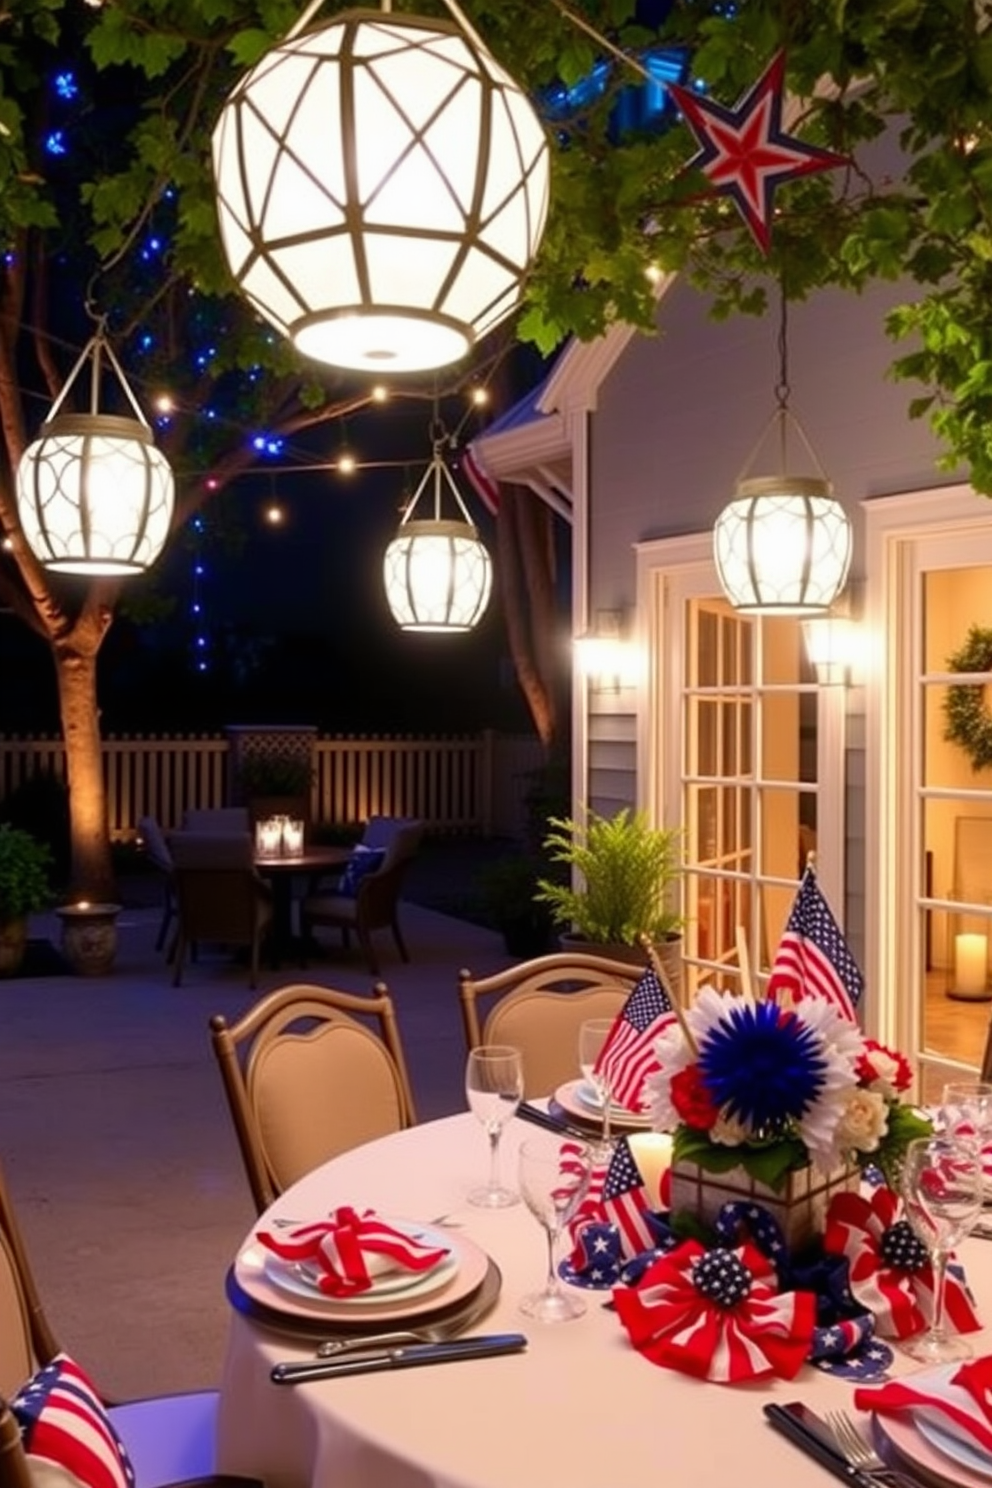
(892,1067)
(692,1100)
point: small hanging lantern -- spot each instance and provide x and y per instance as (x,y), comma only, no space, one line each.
(94,493)
(382,187)
(783,544)
(437,571)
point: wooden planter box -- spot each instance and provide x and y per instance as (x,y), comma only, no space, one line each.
(800,1208)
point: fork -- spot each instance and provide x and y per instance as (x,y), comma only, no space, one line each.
(862,1455)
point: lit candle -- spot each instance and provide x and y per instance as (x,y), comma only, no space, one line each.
(268,837)
(971,954)
(292,838)
(652,1152)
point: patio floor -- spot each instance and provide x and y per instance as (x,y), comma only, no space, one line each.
(118,1145)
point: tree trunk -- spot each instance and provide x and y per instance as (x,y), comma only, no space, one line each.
(91,874)
(527,581)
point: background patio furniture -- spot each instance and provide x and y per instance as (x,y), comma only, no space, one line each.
(220,897)
(375,904)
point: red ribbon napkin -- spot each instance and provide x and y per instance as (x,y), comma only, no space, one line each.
(350,1250)
(718,1315)
(884,1272)
(957,1397)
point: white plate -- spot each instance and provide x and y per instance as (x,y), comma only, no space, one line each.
(587,1095)
(569,1100)
(959,1451)
(395,1285)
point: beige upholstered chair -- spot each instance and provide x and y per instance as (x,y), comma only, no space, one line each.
(375,904)
(170,1439)
(305,1079)
(539,1005)
(220,897)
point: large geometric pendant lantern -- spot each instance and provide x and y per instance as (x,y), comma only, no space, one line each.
(437,572)
(382,188)
(783,544)
(94,493)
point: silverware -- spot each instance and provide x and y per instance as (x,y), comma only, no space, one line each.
(537,1117)
(438,1332)
(485,1346)
(813,1436)
(861,1454)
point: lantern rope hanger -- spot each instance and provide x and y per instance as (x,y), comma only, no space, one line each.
(783,544)
(437,571)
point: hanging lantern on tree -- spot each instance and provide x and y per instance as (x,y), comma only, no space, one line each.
(382,187)
(95,495)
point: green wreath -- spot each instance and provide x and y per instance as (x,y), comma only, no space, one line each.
(967,718)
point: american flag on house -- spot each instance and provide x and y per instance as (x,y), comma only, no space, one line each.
(813,958)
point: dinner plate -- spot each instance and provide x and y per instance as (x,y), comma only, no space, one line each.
(918,1454)
(570,1100)
(961,1452)
(290,1277)
(252,1276)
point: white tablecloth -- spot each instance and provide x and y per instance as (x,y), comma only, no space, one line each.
(580,1409)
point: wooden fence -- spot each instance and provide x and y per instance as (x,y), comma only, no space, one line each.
(472,784)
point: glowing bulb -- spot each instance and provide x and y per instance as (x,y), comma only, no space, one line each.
(164,404)
(274,515)
(480,396)
(379,393)
(347,464)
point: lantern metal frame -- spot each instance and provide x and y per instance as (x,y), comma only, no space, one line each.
(416,600)
(782,546)
(63,516)
(399,255)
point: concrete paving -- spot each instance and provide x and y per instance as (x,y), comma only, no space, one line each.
(118,1146)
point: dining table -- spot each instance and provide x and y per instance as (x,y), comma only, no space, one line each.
(283,872)
(579,1408)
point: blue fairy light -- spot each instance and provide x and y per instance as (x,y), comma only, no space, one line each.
(55,143)
(763,1066)
(267,444)
(65,86)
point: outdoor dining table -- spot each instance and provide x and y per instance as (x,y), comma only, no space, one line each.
(282,872)
(579,1409)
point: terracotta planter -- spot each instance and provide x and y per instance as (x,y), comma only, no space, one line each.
(13,943)
(89,937)
(800,1208)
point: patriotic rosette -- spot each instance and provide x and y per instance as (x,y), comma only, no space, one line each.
(718,1314)
(348,1250)
(889,1270)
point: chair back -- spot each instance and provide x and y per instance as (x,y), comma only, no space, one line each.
(379,891)
(306,1078)
(155,846)
(26,1340)
(380,830)
(539,1006)
(217,819)
(218,890)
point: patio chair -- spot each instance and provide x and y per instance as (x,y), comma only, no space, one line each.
(539,1005)
(220,896)
(168,1438)
(156,850)
(217,819)
(305,1079)
(373,902)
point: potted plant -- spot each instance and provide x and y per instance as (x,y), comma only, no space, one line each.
(25,888)
(508,891)
(629,874)
(276,785)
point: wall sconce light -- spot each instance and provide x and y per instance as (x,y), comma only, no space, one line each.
(831,644)
(604,654)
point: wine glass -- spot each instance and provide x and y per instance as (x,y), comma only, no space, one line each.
(494,1085)
(966,1111)
(942,1190)
(593,1033)
(553,1181)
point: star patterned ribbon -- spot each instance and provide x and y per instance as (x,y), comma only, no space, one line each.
(745,153)
(889,1271)
(349,1250)
(717,1315)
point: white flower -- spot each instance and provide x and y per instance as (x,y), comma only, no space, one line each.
(672,1054)
(841,1046)
(864,1121)
(885,1071)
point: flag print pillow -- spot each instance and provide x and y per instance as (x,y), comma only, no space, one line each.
(66,1431)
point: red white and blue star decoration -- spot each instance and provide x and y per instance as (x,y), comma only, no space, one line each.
(744,151)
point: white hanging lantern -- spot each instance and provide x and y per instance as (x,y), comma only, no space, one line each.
(783,544)
(94,493)
(382,187)
(437,572)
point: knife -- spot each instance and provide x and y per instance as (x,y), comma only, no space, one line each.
(805,1429)
(480,1347)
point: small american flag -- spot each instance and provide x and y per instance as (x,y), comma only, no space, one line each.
(625,1200)
(813,958)
(627,1056)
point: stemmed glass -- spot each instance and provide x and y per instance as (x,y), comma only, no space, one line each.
(494,1085)
(942,1190)
(553,1182)
(593,1033)
(966,1111)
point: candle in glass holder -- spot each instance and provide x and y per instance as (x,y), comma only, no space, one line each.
(292,838)
(268,837)
(971,954)
(652,1152)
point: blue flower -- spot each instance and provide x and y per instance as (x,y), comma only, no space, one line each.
(763,1065)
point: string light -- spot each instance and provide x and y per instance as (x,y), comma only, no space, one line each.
(200,651)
